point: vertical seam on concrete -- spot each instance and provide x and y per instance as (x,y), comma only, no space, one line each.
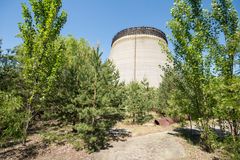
(135,57)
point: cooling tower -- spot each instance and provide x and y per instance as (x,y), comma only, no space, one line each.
(137,54)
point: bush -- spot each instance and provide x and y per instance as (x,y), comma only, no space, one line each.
(139,102)
(87,94)
(98,102)
(232,147)
(12,118)
(209,140)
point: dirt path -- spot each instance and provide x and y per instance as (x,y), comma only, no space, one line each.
(148,142)
(156,146)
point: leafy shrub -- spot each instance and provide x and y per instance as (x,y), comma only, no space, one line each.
(63,138)
(87,94)
(139,102)
(209,140)
(232,147)
(12,118)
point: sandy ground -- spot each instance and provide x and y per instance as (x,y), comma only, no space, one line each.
(156,146)
(147,142)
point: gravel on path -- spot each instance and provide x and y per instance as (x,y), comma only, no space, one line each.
(156,146)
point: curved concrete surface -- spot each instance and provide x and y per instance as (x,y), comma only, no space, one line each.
(138,57)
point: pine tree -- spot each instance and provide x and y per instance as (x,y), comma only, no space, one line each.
(139,101)
(99,112)
(87,94)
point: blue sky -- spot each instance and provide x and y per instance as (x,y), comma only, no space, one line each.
(95,20)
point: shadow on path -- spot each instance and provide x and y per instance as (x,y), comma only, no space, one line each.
(192,136)
(23,152)
(117,134)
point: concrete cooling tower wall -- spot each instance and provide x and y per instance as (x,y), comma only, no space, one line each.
(137,54)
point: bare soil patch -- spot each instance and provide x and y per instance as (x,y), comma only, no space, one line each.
(150,142)
(146,142)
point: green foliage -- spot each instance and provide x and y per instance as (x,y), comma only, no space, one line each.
(203,84)
(209,139)
(232,147)
(87,93)
(62,137)
(41,53)
(11,118)
(98,112)
(174,95)
(9,70)
(227,98)
(227,60)
(66,79)
(11,104)
(69,77)
(190,38)
(139,101)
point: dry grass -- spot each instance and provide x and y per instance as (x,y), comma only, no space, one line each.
(47,141)
(147,128)
(37,147)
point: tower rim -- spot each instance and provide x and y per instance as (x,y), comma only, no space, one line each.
(139,30)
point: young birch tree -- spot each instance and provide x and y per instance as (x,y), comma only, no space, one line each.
(191,33)
(41,54)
